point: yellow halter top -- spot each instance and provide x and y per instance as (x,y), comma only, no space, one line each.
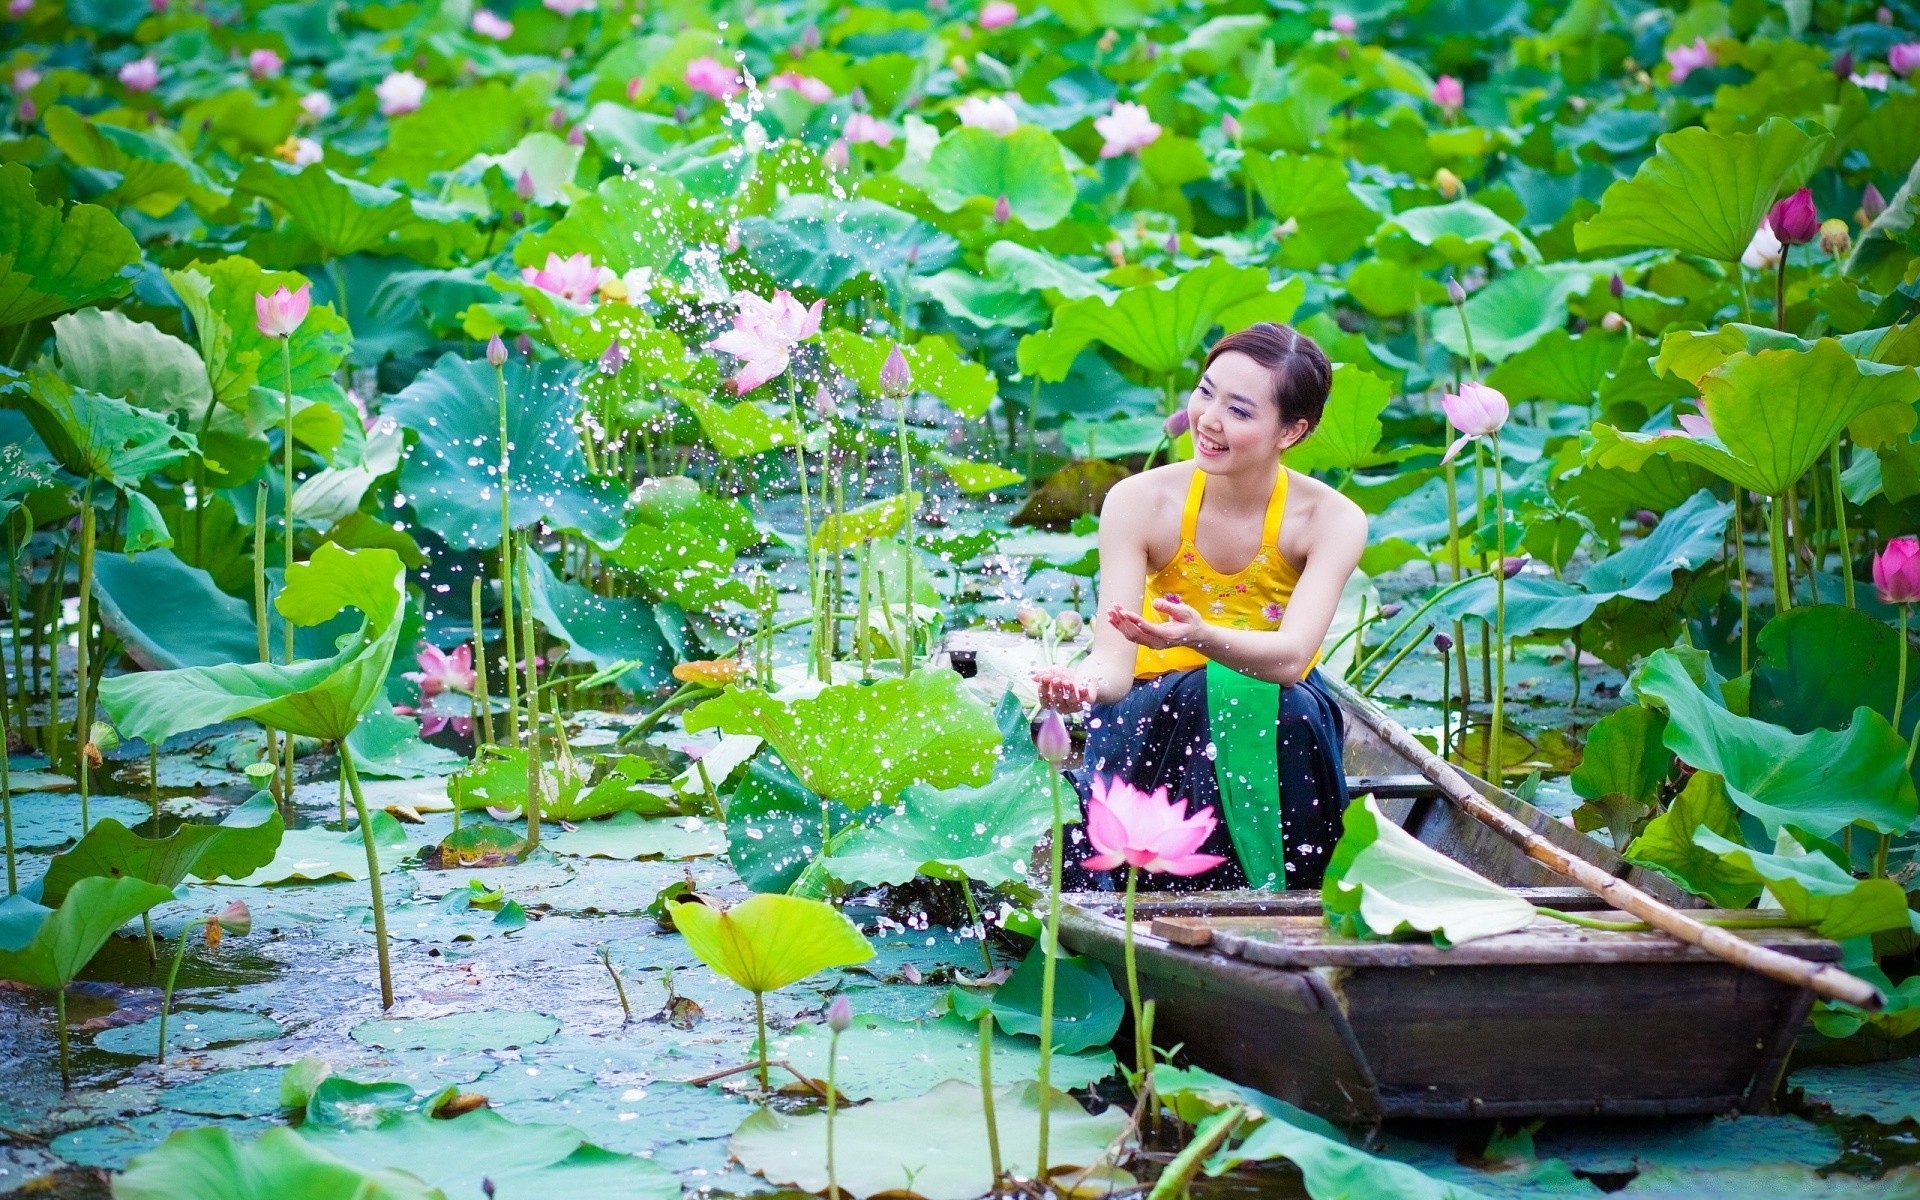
(1252,598)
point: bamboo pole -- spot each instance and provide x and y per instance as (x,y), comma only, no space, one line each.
(1824,980)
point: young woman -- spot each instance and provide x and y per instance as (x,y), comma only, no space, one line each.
(1218,580)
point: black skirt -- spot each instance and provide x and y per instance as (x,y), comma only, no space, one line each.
(1158,735)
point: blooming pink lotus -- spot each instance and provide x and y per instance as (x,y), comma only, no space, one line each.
(1904,57)
(998,14)
(25,79)
(301,152)
(572,278)
(1478,411)
(489,24)
(707,74)
(314,106)
(264,64)
(764,334)
(1697,427)
(19,8)
(1685,60)
(1128,129)
(991,113)
(443,672)
(812,89)
(862,127)
(280,314)
(140,75)
(569,8)
(1343,24)
(1449,94)
(433,720)
(1133,828)
(1896,571)
(400,93)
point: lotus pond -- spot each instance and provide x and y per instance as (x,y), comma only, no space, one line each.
(492,492)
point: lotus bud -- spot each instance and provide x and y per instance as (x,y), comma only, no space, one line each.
(838,157)
(1177,423)
(1442,642)
(1033,619)
(1510,567)
(732,241)
(613,359)
(523,186)
(1172,245)
(1153,51)
(1389,611)
(1230,125)
(486,1187)
(840,1014)
(236,918)
(496,351)
(1835,238)
(1647,518)
(1616,286)
(1794,220)
(1872,204)
(1052,741)
(1613,322)
(1883,15)
(27,110)
(1447,184)
(1455,293)
(524,345)
(1002,209)
(896,377)
(1896,571)
(823,401)
(1286,229)
(1068,624)
(1843,64)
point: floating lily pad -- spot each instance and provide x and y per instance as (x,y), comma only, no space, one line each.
(885,1059)
(242,1092)
(630,835)
(459,1032)
(111,1147)
(189,1030)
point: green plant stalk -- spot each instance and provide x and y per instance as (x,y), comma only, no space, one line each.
(6,800)
(1458,583)
(260,625)
(1499,613)
(986,1095)
(1844,543)
(1900,687)
(760,1021)
(13,615)
(973,915)
(1740,558)
(82,712)
(619,986)
(286,456)
(1777,543)
(1208,1137)
(1459,573)
(685,695)
(1142,1050)
(1412,645)
(1051,948)
(906,493)
(506,564)
(60,1028)
(864,627)
(1446,716)
(533,700)
(479,678)
(833,1057)
(56,586)
(373,873)
(821,669)
(166,993)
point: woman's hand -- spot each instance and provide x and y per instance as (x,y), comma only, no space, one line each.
(1066,690)
(1182,626)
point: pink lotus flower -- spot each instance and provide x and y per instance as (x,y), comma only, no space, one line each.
(991,113)
(837,156)
(19,8)
(810,88)
(764,334)
(400,93)
(314,106)
(1697,427)
(1904,57)
(264,64)
(1477,411)
(572,278)
(998,14)
(25,79)
(569,8)
(1875,81)
(1683,61)
(896,377)
(489,24)
(1133,828)
(443,672)
(1896,571)
(1449,94)
(1343,24)
(280,314)
(1230,125)
(863,128)
(432,720)
(301,152)
(1127,129)
(1051,740)
(1794,220)
(706,74)
(140,75)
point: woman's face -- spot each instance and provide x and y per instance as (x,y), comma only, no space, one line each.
(1236,418)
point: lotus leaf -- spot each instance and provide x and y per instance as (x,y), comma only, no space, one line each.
(1622,767)
(933,1146)
(773,826)
(1821,781)
(986,834)
(1561,366)
(607,631)
(189,1032)
(341,216)
(219,296)
(1087,1008)
(459,1032)
(767,942)
(49,947)
(1314,191)
(1193,1093)
(963,385)
(983,300)
(451,127)
(1817,664)
(737,432)
(1026,167)
(1668,844)
(53,261)
(97,436)
(1349,429)
(861,744)
(155,174)
(819,243)
(1331,1167)
(881,1058)
(1460,233)
(628,835)
(1384,883)
(878,519)
(110,354)
(635,219)
(210,1164)
(244,841)
(974,478)
(1812,888)
(1520,307)
(316,853)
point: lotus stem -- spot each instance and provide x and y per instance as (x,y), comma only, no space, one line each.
(60,1030)
(286,455)
(1050,947)
(527,648)
(986,1095)
(1142,1049)
(833,1059)
(479,678)
(1213,1131)
(1413,616)
(619,985)
(82,714)
(760,1020)
(373,873)
(973,914)
(1843,542)
(1740,557)
(506,564)
(261,628)
(1459,573)
(1394,663)
(6,800)
(13,615)
(1446,716)
(166,993)
(906,497)
(862,629)
(806,515)
(684,695)
(1777,542)
(1498,729)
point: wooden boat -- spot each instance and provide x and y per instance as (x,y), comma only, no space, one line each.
(1551,1020)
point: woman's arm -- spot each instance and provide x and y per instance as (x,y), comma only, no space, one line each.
(1278,656)
(1106,674)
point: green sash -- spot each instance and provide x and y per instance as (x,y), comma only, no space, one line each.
(1243,715)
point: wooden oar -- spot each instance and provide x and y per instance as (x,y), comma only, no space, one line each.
(1823,979)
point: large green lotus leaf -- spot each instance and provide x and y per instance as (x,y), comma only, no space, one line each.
(877,519)
(1330,1167)
(933,1146)
(98,436)
(1383,882)
(1087,1008)
(113,355)
(47,947)
(986,834)
(1560,366)
(1667,844)
(1158,325)
(819,243)
(983,300)
(1312,190)
(1460,233)
(938,369)
(52,261)
(1690,354)
(168,614)
(639,219)
(1821,781)
(773,826)
(1349,429)
(861,744)
(452,126)
(1605,494)
(585,332)
(1816,664)
(464,1032)
(1686,538)
(741,431)
(1025,166)
(1774,414)
(606,631)
(341,216)
(1622,767)
(1193,1094)
(155,174)
(1703,193)
(1519,308)
(387,744)
(1036,270)
(211,1164)
(1811,887)
(881,1058)
(321,698)
(219,296)
(972,477)
(245,840)
(766,942)
(497,778)
(451,476)
(683,542)
(317,853)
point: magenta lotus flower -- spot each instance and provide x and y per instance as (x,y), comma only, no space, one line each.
(1133,828)
(764,334)
(1177,424)
(1128,129)
(264,64)
(707,74)
(998,14)
(489,24)
(280,314)
(1904,57)
(991,113)
(443,672)
(1051,740)
(1896,571)
(314,106)
(1872,204)
(1478,411)
(569,8)
(1794,220)
(810,88)
(572,278)
(1683,61)
(1002,209)
(864,128)
(1449,94)
(401,92)
(140,75)
(1343,24)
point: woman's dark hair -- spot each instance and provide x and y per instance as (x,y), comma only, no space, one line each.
(1302,376)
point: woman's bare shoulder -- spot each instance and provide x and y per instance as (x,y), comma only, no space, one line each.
(1150,491)
(1324,508)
